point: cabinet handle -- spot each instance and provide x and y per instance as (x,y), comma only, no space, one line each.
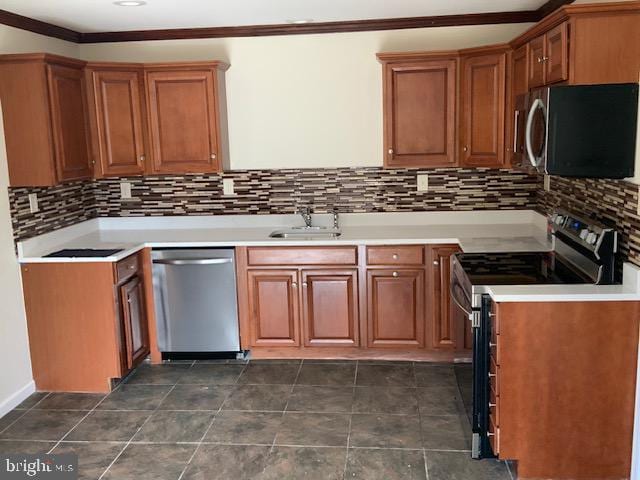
(491,375)
(391,151)
(492,405)
(436,262)
(489,434)
(294,285)
(395,256)
(491,345)
(304,284)
(395,274)
(142,158)
(465,148)
(213,156)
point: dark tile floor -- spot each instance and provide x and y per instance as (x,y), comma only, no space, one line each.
(262,420)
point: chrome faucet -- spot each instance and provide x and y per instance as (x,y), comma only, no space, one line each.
(336,220)
(306,215)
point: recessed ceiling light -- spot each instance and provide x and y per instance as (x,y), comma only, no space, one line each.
(130,3)
(301,21)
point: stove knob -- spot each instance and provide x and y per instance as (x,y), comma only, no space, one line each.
(592,238)
(559,219)
(584,233)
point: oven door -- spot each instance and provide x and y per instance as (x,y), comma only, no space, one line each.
(536,131)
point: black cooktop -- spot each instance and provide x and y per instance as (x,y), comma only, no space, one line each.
(84,253)
(528,268)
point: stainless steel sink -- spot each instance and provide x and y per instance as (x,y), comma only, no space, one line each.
(306,232)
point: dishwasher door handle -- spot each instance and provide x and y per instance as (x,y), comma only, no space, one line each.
(194,261)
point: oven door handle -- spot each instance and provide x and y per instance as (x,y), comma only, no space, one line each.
(457,302)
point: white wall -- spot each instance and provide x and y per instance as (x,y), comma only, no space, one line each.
(305,100)
(15,366)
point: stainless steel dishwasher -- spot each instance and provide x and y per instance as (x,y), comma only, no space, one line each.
(196,302)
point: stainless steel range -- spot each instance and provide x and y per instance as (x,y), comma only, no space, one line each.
(583,252)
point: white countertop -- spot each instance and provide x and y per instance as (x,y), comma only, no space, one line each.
(484,231)
(475,232)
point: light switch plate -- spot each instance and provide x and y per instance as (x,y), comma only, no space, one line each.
(423,182)
(125,190)
(33,203)
(227,186)
(547,183)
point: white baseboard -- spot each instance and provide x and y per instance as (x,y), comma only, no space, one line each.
(17,398)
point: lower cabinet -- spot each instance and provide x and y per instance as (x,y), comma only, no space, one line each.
(273,307)
(134,323)
(383,296)
(321,305)
(395,307)
(87,322)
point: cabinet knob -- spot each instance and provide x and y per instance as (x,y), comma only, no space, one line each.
(545,59)
(304,284)
(142,157)
(539,59)
(391,151)
(395,274)
(465,148)
(436,262)
(131,267)
(294,285)
(395,256)
(213,156)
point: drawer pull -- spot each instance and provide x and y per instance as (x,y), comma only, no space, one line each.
(294,285)
(492,405)
(395,256)
(395,274)
(491,345)
(491,434)
(491,375)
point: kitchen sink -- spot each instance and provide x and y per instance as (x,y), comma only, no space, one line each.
(306,232)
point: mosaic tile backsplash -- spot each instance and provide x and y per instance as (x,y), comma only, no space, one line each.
(612,202)
(274,192)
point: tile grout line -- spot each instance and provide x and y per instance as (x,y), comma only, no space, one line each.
(424,450)
(26,410)
(137,430)
(353,391)
(78,423)
(286,405)
(213,420)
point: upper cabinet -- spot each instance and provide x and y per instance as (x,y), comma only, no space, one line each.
(482,108)
(116,113)
(67,120)
(419,111)
(549,57)
(185,118)
(45,122)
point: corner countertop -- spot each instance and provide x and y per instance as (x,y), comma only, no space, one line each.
(479,231)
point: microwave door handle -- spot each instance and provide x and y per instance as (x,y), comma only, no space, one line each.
(528,131)
(458,303)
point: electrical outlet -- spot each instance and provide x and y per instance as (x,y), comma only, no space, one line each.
(423,182)
(227,186)
(125,190)
(547,183)
(33,203)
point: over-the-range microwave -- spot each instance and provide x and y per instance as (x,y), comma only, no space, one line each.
(578,130)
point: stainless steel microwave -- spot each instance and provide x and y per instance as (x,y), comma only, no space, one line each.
(579,131)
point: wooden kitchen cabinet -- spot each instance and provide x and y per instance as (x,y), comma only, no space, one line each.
(45,120)
(87,322)
(448,325)
(549,57)
(395,307)
(573,371)
(517,88)
(482,109)
(419,111)
(330,307)
(274,307)
(116,107)
(186,115)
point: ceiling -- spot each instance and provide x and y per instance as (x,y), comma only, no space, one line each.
(104,16)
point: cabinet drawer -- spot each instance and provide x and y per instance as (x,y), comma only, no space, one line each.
(494,435)
(494,376)
(400,255)
(494,351)
(494,406)
(127,268)
(302,256)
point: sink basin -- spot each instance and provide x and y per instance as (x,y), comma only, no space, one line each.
(306,232)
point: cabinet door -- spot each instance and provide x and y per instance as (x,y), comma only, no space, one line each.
(445,329)
(68,119)
(483,109)
(135,321)
(536,62)
(117,119)
(330,307)
(182,121)
(518,87)
(556,55)
(274,307)
(419,113)
(395,308)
